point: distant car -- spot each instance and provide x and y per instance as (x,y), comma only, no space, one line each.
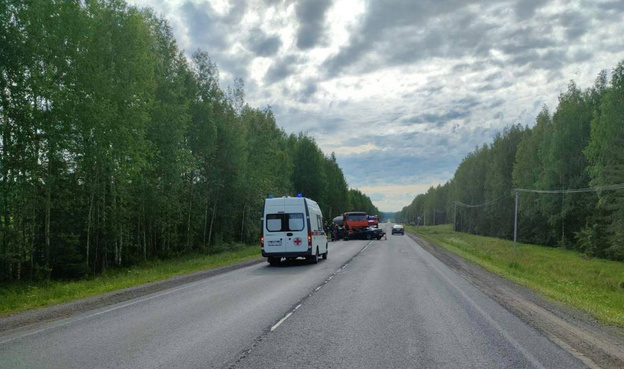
(397,228)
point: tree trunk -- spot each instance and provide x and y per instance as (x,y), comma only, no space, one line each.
(188,220)
(119,253)
(89,220)
(4,191)
(47,223)
(214,210)
(206,221)
(243,223)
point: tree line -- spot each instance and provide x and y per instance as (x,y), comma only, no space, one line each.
(116,148)
(579,145)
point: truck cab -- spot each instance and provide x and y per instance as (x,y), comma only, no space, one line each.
(353,223)
(292,227)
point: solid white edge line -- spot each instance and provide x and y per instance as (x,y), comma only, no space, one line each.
(281,321)
(534,362)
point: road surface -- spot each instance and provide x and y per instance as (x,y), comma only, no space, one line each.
(372,304)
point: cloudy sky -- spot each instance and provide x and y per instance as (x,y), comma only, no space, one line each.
(401,90)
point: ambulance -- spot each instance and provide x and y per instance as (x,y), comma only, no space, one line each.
(292,227)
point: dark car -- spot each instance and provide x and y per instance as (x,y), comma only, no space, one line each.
(368,233)
(397,228)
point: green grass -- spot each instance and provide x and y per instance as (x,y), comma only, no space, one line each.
(23,296)
(595,286)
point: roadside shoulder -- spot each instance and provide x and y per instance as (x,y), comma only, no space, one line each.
(596,344)
(68,309)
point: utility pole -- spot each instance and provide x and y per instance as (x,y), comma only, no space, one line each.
(516,224)
(434,214)
(454,216)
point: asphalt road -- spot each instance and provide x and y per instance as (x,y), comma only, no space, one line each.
(377,304)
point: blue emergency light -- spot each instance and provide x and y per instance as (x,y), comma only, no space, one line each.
(270,196)
(299,195)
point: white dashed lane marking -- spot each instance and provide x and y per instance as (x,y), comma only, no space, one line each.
(274,327)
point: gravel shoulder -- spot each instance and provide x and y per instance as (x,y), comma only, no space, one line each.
(594,343)
(65,310)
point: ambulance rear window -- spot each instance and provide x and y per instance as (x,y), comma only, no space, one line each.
(284,222)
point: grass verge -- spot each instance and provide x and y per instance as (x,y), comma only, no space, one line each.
(19,297)
(594,286)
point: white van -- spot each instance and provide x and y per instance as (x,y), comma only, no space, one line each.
(292,227)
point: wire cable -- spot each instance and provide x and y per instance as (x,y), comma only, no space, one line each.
(577,190)
(480,205)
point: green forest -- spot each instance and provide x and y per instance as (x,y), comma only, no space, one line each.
(579,145)
(116,148)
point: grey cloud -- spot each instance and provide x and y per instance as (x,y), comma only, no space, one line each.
(311,16)
(273,2)
(551,60)
(526,8)
(309,89)
(478,66)
(210,31)
(438,157)
(281,69)
(403,31)
(581,56)
(494,86)
(438,119)
(299,120)
(203,25)
(462,103)
(467,102)
(613,5)
(527,39)
(493,77)
(485,88)
(496,104)
(575,24)
(262,44)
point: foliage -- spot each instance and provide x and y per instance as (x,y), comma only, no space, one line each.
(117,149)
(592,285)
(580,145)
(360,202)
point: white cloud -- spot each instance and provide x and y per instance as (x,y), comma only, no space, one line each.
(402,90)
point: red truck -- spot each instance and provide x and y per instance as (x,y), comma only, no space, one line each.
(354,222)
(373,221)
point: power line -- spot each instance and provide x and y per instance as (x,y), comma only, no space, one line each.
(480,205)
(577,190)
